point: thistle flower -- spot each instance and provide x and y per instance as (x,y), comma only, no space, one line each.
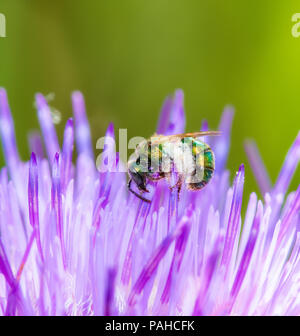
(74,242)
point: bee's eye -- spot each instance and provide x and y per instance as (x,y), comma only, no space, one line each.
(138,179)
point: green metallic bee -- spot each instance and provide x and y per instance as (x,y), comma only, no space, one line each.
(191,159)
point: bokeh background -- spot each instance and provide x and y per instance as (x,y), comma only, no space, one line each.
(127,55)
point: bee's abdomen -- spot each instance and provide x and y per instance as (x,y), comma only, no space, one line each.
(205,161)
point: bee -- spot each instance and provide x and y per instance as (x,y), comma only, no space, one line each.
(160,156)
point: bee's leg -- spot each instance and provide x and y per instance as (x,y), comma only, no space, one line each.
(157,177)
(178,184)
(135,193)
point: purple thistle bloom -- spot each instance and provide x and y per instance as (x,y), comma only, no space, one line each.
(75,242)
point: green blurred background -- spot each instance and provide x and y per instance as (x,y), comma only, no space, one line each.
(127,55)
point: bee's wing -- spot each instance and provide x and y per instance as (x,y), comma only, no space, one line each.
(160,139)
(199,134)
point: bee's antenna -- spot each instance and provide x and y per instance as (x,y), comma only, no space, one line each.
(136,194)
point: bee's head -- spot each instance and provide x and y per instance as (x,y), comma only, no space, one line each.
(137,176)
